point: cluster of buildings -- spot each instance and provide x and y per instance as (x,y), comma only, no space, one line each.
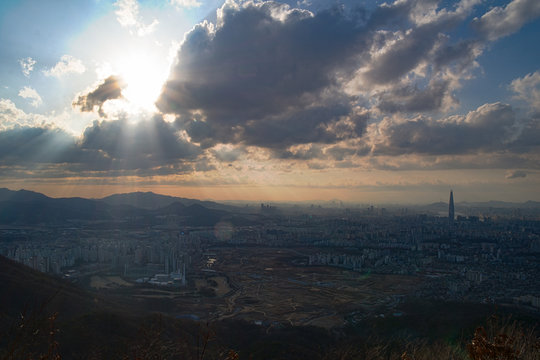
(463,258)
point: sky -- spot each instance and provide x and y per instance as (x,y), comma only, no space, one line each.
(361,101)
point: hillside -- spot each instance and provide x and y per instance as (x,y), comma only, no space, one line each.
(152,201)
(29,289)
(26,208)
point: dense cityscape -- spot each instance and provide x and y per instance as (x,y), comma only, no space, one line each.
(463,258)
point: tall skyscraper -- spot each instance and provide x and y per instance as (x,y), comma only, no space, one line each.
(451,208)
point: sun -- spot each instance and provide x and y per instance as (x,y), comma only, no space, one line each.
(143,73)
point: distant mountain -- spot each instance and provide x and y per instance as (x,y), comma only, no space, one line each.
(49,210)
(26,207)
(152,201)
(502,204)
(21,195)
(532,204)
(142,200)
(442,206)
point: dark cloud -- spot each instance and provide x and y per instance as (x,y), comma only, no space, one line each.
(273,76)
(404,56)
(145,144)
(321,124)
(109,89)
(23,145)
(306,87)
(414,44)
(265,76)
(107,148)
(474,161)
(491,127)
(461,54)
(411,99)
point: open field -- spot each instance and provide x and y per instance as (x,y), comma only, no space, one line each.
(265,285)
(269,287)
(108,282)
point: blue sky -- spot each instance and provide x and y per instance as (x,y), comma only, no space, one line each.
(365,101)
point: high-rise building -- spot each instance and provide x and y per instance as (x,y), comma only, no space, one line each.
(451,208)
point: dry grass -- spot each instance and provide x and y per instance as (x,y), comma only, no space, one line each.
(34,338)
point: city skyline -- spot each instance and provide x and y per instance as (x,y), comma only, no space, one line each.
(395,102)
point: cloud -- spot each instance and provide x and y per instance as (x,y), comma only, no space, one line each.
(150,141)
(106,149)
(23,145)
(127,14)
(397,53)
(411,99)
(67,65)
(527,89)
(491,127)
(27,65)
(500,22)
(516,174)
(29,93)
(11,116)
(300,152)
(266,75)
(110,88)
(472,161)
(269,75)
(186,3)
(227,153)
(272,86)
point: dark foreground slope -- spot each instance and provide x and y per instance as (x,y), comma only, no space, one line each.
(92,326)
(89,325)
(34,305)
(24,289)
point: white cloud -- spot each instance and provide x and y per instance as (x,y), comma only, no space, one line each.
(71,121)
(27,65)
(499,22)
(127,14)
(11,116)
(527,89)
(67,65)
(186,3)
(30,93)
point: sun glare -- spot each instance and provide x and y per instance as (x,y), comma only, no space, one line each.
(144,74)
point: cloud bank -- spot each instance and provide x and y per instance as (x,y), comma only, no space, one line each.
(271,86)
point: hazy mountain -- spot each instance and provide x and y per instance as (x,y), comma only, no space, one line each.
(24,207)
(152,201)
(47,210)
(194,214)
(501,204)
(142,200)
(21,195)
